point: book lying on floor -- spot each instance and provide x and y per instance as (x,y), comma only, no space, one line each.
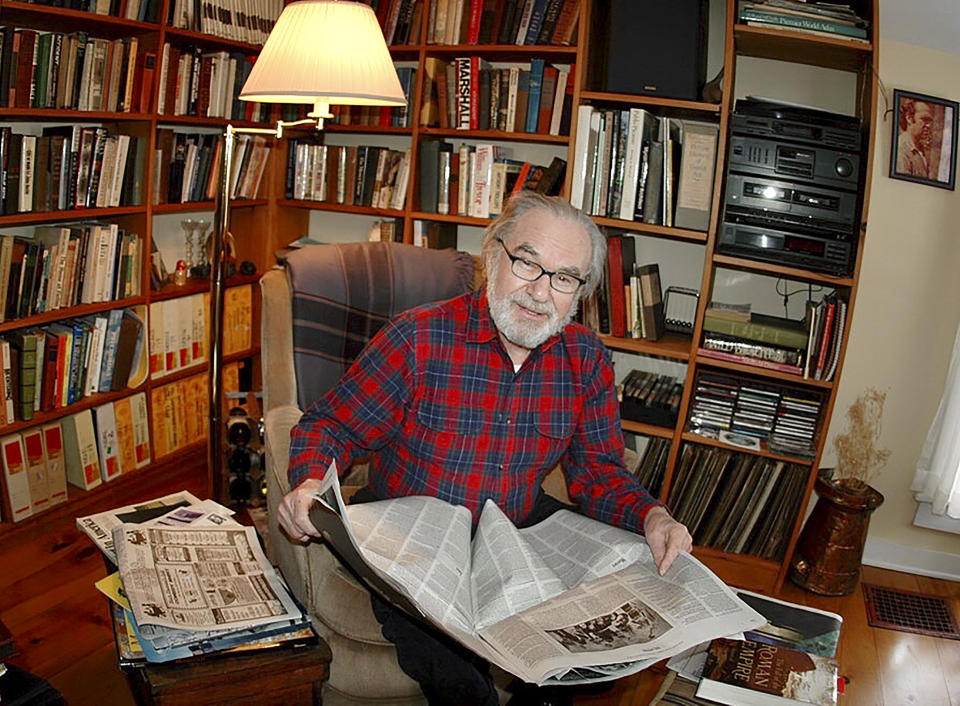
(748,673)
(787,624)
(568,600)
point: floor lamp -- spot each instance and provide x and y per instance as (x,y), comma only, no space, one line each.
(320,52)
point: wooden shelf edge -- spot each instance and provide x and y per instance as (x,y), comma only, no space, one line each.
(647,429)
(92,18)
(341,208)
(205,205)
(672,345)
(368,129)
(211,40)
(82,404)
(179,374)
(762,372)
(177,453)
(742,263)
(695,438)
(496,135)
(742,570)
(75,214)
(70,313)
(462,220)
(652,101)
(525,49)
(693,236)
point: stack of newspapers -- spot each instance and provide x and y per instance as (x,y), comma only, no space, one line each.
(191,581)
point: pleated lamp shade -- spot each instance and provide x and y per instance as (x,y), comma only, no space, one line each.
(325,52)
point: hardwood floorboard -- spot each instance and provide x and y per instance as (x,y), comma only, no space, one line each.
(61,625)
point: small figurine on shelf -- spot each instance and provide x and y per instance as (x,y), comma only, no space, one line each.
(180,275)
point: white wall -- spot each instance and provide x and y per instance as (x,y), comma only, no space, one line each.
(907,309)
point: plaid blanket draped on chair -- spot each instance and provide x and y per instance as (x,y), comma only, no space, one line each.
(344,293)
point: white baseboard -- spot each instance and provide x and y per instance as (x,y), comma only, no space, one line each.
(924,562)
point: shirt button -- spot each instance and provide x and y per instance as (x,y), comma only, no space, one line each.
(507,420)
(500,466)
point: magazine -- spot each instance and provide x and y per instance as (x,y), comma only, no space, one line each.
(568,600)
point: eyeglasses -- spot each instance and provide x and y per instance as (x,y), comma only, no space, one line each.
(563,282)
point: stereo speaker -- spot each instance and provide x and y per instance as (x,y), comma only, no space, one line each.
(652,47)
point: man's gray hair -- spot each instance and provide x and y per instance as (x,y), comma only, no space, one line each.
(526,201)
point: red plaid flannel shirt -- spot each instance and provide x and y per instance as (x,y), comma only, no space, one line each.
(435,397)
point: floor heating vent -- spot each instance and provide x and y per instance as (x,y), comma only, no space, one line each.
(908,611)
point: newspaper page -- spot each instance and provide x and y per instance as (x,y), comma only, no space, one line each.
(203,578)
(163,510)
(570,599)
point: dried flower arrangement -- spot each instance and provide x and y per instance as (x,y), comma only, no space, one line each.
(858,457)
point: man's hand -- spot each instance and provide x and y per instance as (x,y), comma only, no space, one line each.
(666,537)
(292,514)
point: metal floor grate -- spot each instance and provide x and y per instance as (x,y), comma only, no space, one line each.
(908,611)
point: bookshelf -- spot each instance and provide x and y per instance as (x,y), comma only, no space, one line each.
(273,219)
(136,213)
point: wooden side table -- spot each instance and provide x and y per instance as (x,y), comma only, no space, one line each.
(269,677)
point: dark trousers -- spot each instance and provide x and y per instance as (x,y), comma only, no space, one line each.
(447,672)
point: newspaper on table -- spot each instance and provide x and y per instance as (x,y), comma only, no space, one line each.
(568,600)
(177,509)
(188,586)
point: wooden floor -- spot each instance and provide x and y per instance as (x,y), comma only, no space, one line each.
(60,626)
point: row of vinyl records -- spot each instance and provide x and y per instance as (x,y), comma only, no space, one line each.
(635,166)
(809,347)
(478,180)
(179,329)
(247,21)
(140,10)
(69,166)
(467,94)
(787,418)
(53,366)
(736,503)
(526,22)
(74,71)
(84,449)
(66,265)
(206,84)
(358,175)
(187,166)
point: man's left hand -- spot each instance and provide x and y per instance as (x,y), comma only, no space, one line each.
(666,537)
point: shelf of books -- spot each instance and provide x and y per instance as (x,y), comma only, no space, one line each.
(109,119)
(727,407)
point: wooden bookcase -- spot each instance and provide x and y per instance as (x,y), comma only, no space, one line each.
(249,219)
(263,226)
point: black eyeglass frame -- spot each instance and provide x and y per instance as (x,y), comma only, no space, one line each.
(516,258)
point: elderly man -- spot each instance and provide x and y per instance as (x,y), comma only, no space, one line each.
(480,397)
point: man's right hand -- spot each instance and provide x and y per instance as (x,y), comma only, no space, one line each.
(293,512)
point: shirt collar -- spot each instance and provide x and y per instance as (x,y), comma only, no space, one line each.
(480,326)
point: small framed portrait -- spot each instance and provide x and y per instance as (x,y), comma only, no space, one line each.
(924,140)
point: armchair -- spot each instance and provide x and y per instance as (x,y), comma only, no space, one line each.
(319,310)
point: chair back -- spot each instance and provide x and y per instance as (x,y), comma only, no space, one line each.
(342,294)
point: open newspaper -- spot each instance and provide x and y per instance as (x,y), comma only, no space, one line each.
(195,589)
(568,600)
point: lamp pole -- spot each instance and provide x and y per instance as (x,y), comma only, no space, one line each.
(216,486)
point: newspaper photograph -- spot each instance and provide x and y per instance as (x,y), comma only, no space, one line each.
(176,509)
(199,578)
(569,599)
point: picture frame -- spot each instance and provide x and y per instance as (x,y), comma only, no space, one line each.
(923,144)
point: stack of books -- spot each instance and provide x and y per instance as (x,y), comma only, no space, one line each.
(191,581)
(740,336)
(820,18)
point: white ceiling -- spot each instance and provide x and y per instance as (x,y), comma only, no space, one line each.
(934,24)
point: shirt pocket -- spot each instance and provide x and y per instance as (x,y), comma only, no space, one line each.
(444,434)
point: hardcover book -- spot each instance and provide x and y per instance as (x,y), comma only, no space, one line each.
(747,673)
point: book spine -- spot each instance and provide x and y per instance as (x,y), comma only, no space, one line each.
(747,15)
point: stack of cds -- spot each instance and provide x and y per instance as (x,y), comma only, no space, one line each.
(796,424)
(755,410)
(713,403)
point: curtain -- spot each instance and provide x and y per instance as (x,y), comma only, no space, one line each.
(937,480)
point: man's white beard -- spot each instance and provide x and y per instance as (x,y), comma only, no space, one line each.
(520,332)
